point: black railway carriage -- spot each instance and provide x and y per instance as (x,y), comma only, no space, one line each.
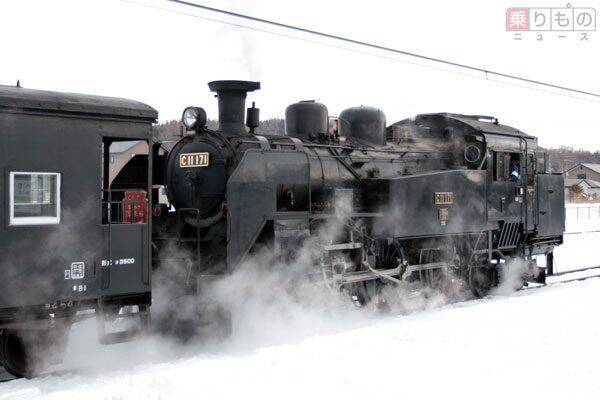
(67,241)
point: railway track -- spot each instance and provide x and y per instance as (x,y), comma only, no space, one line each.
(575,270)
(567,273)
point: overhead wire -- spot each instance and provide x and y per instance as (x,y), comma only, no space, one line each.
(486,73)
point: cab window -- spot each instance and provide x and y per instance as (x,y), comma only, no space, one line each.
(507,167)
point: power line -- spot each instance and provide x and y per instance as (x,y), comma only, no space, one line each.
(354,50)
(320,43)
(379,47)
(487,78)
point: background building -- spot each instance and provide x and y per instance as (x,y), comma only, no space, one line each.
(582,183)
(121,153)
(584,171)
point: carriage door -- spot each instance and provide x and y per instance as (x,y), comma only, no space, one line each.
(125,219)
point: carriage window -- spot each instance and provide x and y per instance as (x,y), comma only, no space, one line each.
(34,198)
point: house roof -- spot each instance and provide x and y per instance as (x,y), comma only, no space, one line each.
(122,147)
(572,182)
(594,184)
(593,167)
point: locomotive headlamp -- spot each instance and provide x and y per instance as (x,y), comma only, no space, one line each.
(194,118)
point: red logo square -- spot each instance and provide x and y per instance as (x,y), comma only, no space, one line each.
(517,19)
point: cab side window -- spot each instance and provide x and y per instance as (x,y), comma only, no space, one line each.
(507,167)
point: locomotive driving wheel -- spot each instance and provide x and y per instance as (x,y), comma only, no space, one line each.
(481,280)
(387,256)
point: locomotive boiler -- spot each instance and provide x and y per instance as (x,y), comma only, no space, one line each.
(415,200)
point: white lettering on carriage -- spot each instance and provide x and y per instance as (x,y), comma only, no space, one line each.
(117,261)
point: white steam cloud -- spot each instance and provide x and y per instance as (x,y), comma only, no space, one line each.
(269,300)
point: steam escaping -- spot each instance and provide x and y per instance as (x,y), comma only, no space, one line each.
(273,304)
(513,275)
(271,300)
(251,55)
(268,300)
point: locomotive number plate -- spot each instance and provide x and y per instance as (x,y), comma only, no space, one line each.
(444,198)
(443,214)
(193,160)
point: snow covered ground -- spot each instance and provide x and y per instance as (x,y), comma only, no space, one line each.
(538,343)
(581,238)
(582,217)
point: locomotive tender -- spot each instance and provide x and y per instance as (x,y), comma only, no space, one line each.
(415,200)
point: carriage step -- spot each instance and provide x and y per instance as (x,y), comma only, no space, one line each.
(127,335)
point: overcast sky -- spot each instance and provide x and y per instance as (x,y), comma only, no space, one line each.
(116,48)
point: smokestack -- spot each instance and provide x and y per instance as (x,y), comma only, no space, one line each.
(232,104)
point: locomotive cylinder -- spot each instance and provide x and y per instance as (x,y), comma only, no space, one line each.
(306,120)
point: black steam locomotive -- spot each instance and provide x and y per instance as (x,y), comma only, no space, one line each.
(420,198)
(415,200)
